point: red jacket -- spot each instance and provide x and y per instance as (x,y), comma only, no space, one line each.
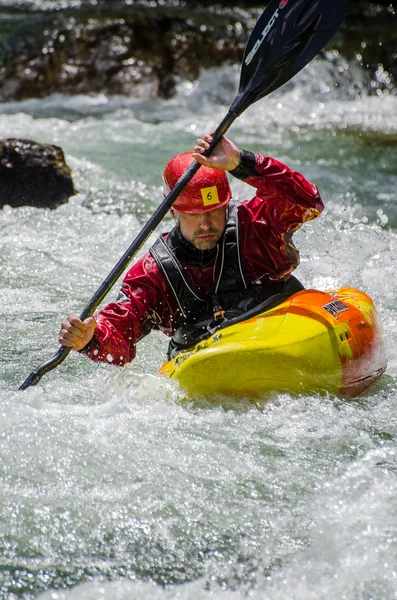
(284,200)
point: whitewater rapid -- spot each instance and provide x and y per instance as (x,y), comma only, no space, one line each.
(114,484)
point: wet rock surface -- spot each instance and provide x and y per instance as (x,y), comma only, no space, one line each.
(143,50)
(137,51)
(33,174)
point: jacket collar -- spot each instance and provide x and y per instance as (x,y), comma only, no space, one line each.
(186,253)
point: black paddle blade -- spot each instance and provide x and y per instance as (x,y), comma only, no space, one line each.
(285,39)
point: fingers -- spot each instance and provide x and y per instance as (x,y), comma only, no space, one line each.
(207,162)
(202,144)
(75,333)
(71,332)
(225,155)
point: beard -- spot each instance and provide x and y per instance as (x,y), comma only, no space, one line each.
(206,240)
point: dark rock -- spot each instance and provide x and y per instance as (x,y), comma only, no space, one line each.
(141,53)
(33,174)
(143,49)
(368,35)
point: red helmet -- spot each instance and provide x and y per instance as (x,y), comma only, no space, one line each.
(209,189)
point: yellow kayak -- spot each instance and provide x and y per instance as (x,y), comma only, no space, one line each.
(312,342)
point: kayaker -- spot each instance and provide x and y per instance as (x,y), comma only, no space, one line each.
(218,261)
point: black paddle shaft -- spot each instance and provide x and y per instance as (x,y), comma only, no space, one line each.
(287,36)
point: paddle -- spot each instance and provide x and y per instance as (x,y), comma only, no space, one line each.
(287,36)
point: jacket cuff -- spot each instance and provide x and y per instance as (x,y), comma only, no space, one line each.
(247,166)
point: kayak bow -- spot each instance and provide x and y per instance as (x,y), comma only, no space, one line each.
(312,342)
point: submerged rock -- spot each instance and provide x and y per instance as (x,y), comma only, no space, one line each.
(33,174)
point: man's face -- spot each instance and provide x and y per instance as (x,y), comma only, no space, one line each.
(203,230)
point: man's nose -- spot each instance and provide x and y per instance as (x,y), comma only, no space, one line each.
(205,221)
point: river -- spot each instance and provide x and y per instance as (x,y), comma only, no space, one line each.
(114,485)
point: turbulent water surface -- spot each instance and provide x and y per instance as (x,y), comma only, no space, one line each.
(116,486)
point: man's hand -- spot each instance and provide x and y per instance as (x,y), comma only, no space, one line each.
(76,333)
(225,156)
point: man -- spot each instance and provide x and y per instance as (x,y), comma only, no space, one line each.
(218,261)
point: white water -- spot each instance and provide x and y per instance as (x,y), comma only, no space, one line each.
(113,484)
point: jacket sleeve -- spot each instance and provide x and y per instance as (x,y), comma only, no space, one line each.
(284,200)
(290,198)
(143,304)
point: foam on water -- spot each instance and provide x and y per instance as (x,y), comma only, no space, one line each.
(114,484)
